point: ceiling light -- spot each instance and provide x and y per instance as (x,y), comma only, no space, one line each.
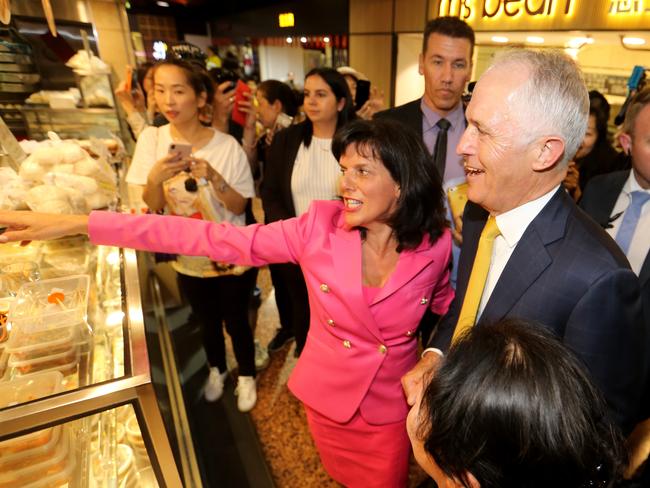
(571,51)
(633,41)
(326,39)
(303,39)
(160,3)
(499,39)
(535,40)
(289,40)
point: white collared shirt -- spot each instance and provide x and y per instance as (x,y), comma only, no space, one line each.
(512,225)
(640,244)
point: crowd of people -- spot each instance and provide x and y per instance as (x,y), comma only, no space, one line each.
(533,311)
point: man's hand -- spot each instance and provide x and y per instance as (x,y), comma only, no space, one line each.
(413,381)
(374,104)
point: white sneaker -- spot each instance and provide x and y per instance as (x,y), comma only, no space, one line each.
(261,356)
(213,388)
(246,393)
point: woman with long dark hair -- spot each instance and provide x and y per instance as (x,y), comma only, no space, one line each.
(301,168)
(373,262)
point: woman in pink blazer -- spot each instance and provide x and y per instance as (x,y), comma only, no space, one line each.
(373,262)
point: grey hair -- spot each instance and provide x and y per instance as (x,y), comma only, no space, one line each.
(554,100)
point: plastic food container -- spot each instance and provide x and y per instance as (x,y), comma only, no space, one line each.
(25,457)
(13,252)
(5,306)
(53,471)
(24,347)
(50,304)
(67,262)
(63,362)
(28,388)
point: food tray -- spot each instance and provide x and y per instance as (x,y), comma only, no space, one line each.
(31,311)
(23,346)
(29,388)
(63,362)
(24,457)
(45,473)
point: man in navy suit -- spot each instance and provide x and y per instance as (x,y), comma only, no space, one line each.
(608,198)
(551,263)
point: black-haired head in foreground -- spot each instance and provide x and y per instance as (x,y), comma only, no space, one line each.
(511,406)
(420,208)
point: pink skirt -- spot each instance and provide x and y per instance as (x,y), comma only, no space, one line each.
(357,454)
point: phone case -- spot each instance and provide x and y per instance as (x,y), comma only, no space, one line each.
(238,116)
(457,197)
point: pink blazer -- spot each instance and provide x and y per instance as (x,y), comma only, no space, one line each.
(355,353)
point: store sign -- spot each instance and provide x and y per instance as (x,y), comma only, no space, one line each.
(628,7)
(286,20)
(488,9)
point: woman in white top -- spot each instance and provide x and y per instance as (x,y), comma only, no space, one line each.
(215,291)
(300,168)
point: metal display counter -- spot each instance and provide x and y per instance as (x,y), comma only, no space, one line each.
(97,423)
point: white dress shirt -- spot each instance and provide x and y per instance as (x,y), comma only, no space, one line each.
(640,244)
(512,225)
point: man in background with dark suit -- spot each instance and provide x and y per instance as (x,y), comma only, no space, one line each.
(620,202)
(438,116)
(528,251)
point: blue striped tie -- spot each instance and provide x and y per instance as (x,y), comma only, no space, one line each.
(631,219)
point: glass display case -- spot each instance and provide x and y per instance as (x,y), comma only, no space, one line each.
(77,404)
(73,123)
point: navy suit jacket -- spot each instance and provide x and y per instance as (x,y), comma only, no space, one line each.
(568,275)
(598,201)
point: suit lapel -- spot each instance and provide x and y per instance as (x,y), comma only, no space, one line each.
(644,275)
(529,258)
(346,252)
(410,263)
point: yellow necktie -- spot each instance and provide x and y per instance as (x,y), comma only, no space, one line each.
(468,312)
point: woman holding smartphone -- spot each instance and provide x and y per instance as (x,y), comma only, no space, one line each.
(274,108)
(216,292)
(301,168)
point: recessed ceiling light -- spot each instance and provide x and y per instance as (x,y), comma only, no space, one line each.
(326,39)
(303,39)
(289,40)
(160,3)
(535,40)
(500,39)
(633,41)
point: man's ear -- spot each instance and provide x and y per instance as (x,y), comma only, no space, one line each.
(549,151)
(626,142)
(421,63)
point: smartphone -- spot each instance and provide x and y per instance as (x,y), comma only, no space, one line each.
(128,79)
(363,93)
(238,116)
(184,150)
(457,198)
(282,122)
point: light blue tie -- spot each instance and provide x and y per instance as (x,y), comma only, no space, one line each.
(631,219)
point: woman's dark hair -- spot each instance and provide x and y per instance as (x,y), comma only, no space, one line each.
(274,90)
(420,210)
(339,87)
(197,77)
(514,407)
(600,109)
